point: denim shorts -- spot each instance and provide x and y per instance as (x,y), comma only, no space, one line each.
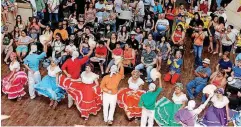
(22,48)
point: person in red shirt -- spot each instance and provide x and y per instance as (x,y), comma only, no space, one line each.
(100,55)
(118,51)
(178,36)
(204,6)
(72,69)
(170,15)
(72,66)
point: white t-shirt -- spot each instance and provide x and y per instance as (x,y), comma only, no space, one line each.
(53,4)
(219,103)
(71,48)
(118,4)
(135,86)
(163,22)
(179,99)
(88,78)
(232,38)
(15,65)
(140,7)
(53,72)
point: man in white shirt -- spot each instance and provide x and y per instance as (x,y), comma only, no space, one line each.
(161,27)
(227,39)
(221,13)
(53,8)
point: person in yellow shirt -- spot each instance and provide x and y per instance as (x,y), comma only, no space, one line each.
(183,23)
(205,20)
(238,43)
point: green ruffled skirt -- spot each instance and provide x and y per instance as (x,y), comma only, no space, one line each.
(165,111)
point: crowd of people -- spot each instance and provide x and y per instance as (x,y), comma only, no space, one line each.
(87,47)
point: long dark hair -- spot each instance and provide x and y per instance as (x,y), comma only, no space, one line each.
(170,4)
(46,30)
(18,16)
(61,39)
(14,31)
(199,17)
(88,5)
(221,20)
(31,23)
(122,30)
(180,27)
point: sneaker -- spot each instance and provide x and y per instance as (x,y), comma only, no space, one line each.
(32,97)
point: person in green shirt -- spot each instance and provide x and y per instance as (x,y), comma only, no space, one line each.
(40,6)
(147,103)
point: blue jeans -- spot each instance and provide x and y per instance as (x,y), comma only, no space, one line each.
(198,86)
(113,27)
(218,3)
(157,35)
(40,15)
(148,70)
(55,15)
(198,55)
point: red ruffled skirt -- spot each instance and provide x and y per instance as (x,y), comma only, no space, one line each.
(14,87)
(128,100)
(88,99)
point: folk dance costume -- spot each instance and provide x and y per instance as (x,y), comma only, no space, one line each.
(166,109)
(86,94)
(147,103)
(128,98)
(13,83)
(109,86)
(188,116)
(217,114)
(72,68)
(48,86)
(32,63)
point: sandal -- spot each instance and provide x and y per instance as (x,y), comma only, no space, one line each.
(110,122)
(51,103)
(19,99)
(55,105)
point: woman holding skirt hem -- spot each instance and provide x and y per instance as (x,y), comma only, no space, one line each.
(13,83)
(85,91)
(48,86)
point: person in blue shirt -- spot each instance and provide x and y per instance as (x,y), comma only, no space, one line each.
(237,119)
(202,74)
(237,70)
(175,68)
(238,57)
(157,9)
(225,63)
(31,63)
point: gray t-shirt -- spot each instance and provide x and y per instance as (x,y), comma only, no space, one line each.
(152,43)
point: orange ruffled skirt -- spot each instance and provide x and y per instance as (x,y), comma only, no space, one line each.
(128,100)
(87,99)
